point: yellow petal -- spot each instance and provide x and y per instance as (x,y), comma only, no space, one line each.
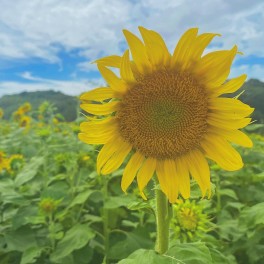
(156,48)
(98,132)
(199,169)
(98,126)
(138,51)
(235,136)
(228,108)
(125,70)
(199,45)
(219,150)
(114,82)
(96,139)
(213,68)
(196,49)
(131,170)
(229,105)
(110,61)
(145,173)
(183,176)
(228,123)
(169,184)
(182,49)
(100,109)
(143,196)
(231,115)
(117,158)
(107,151)
(98,94)
(230,86)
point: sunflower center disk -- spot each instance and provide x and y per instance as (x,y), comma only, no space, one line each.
(164,115)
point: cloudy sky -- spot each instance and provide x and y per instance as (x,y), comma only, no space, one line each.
(50,44)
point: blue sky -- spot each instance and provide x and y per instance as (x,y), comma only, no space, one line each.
(50,44)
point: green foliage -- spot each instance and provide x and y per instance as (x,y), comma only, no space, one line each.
(54,208)
(66,105)
(254,96)
(191,253)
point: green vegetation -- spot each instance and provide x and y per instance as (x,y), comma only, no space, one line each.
(66,105)
(54,208)
(254,96)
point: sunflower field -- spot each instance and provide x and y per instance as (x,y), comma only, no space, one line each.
(55,208)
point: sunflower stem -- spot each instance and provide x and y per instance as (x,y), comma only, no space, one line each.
(163,217)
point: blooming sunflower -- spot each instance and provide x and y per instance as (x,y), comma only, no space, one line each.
(4,162)
(1,112)
(25,121)
(168,112)
(26,107)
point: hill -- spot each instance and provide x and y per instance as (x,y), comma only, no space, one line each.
(68,105)
(254,96)
(65,104)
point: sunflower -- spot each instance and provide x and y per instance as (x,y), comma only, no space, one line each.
(165,113)
(25,121)
(26,107)
(1,113)
(189,221)
(4,162)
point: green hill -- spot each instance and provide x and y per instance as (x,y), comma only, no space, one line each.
(65,104)
(254,96)
(68,105)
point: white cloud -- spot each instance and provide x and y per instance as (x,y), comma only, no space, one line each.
(28,76)
(87,66)
(42,84)
(36,28)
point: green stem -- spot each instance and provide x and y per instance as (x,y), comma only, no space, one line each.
(218,196)
(105,219)
(51,228)
(163,217)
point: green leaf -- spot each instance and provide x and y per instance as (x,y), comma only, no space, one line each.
(58,177)
(143,256)
(191,253)
(29,171)
(228,192)
(6,185)
(75,238)
(118,201)
(83,255)
(132,242)
(57,190)
(229,229)
(81,197)
(14,197)
(254,127)
(30,255)
(141,205)
(218,257)
(21,239)
(22,216)
(252,216)
(234,205)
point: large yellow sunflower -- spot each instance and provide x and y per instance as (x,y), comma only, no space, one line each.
(168,112)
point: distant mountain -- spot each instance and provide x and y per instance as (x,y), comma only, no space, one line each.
(65,104)
(254,96)
(68,105)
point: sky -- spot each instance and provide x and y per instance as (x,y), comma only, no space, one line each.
(49,45)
